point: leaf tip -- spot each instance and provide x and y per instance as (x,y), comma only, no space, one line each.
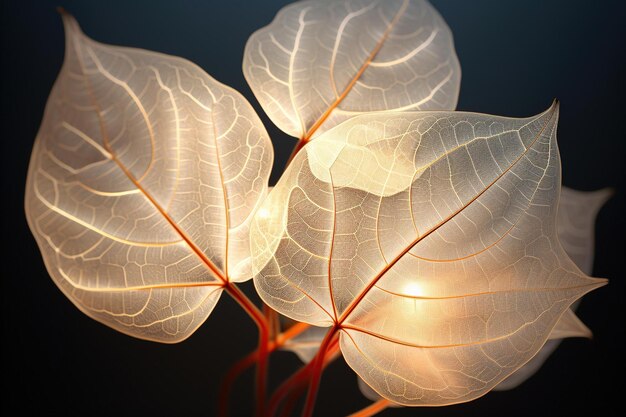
(554,107)
(601,196)
(69,22)
(585,332)
(548,118)
(599,282)
(607,193)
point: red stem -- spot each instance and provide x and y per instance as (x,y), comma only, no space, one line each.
(292,400)
(289,388)
(296,392)
(226,386)
(293,381)
(271,317)
(228,381)
(318,365)
(262,351)
(296,149)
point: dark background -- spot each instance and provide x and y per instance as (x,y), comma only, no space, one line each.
(516,57)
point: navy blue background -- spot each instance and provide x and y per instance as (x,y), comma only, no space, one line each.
(516,57)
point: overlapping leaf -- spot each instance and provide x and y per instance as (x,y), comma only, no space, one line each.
(321,62)
(429,240)
(142,185)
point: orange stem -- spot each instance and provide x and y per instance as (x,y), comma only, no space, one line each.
(318,366)
(228,381)
(339,98)
(271,317)
(262,351)
(294,395)
(299,379)
(372,409)
(290,333)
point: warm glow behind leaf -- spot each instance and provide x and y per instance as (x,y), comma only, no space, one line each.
(321,62)
(443,282)
(575,219)
(568,326)
(141,187)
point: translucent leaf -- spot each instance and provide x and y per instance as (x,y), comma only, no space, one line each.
(442,283)
(576,224)
(306,344)
(321,62)
(575,228)
(369,393)
(575,219)
(142,185)
(568,326)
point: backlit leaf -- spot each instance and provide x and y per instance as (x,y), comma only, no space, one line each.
(575,219)
(568,326)
(576,224)
(321,62)
(306,344)
(442,279)
(142,185)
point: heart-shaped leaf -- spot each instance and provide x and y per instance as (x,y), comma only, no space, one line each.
(142,185)
(443,270)
(575,220)
(321,62)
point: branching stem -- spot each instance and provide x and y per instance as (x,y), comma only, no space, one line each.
(288,389)
(316,371)
(262,351)
(228,381)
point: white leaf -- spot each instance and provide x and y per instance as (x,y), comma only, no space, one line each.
(321,62)
(441,283)
(142,185)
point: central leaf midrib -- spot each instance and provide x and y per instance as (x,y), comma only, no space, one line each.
(351,307)
(322,119)
(194,248)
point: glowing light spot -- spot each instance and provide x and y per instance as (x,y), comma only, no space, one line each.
(264,213)
(413,289)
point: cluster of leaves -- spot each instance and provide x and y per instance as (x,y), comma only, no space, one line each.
(429,245)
